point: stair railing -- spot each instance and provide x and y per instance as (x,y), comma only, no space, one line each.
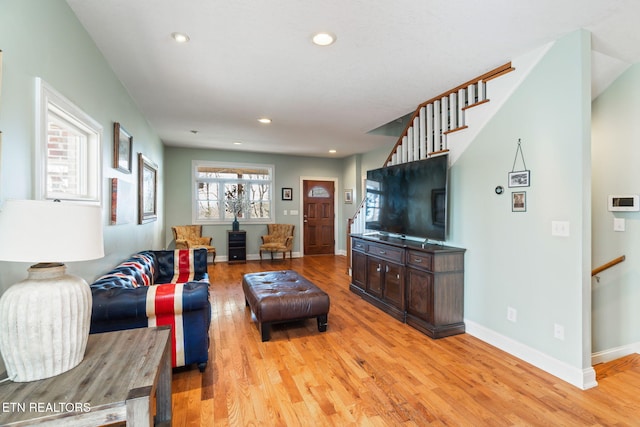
(606,266)
(426,132)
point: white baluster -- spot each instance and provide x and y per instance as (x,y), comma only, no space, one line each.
(482,93)
(453,110)
(403,158)
(409,144)
(423,133)
(436,125)
(444,110)
(430,128)
(416,138)
(461,118)
(471,94)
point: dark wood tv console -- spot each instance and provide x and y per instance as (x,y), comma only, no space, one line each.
(422,286)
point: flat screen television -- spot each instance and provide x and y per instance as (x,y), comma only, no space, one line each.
(409,199)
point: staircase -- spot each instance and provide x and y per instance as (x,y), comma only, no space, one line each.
(427,131)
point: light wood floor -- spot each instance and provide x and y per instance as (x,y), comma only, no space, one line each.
(371,370)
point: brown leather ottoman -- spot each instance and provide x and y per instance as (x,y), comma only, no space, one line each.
(284,296)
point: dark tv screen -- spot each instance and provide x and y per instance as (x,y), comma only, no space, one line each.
(409,199)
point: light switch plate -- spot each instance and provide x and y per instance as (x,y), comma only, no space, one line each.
(618,224)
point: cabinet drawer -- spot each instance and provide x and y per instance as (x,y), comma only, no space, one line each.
(388,252)
(236,254)
(359,245)
(420,260)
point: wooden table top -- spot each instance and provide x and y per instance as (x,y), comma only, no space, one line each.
(117,366)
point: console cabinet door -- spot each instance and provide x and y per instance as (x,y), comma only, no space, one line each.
(359,269)
(393,286)
(420,294)
(374,276)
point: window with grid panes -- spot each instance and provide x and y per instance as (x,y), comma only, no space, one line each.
(224,191)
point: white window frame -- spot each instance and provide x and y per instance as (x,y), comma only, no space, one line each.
(51,105)
(221,220)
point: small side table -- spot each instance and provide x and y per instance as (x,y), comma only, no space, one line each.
(237,246)
(117,380)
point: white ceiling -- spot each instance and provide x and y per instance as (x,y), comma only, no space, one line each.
(250,58)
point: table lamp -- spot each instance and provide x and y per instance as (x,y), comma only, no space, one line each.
(44,319)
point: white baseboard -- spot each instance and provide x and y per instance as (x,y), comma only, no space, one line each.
(581,378)
(614,353)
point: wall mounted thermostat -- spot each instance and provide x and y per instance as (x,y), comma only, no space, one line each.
(625,203)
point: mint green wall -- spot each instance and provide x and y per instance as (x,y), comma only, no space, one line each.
(44,39)
(615,150)
(512,259)
(288,170)
(373,160)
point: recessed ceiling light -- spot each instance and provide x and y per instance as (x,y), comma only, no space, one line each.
(180,37)
(332,151)
(237,143)
(264,120)
(323,38)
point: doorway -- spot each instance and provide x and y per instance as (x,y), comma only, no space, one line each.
(318,217)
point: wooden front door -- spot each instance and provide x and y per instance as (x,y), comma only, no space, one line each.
(318,217)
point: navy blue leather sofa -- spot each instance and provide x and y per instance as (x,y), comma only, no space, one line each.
(155,288)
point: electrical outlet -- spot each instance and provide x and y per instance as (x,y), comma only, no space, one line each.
(558,331)
(512,314)
(560,228)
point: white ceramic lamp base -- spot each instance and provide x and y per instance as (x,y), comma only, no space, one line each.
(44,324)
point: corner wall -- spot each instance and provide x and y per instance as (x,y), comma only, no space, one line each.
(615,150)
(512,259)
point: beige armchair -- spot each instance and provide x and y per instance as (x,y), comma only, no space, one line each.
(279,238)
(190,237)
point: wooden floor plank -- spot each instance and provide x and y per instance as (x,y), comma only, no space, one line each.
(369,369)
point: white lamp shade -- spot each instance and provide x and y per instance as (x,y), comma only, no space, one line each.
(47,231)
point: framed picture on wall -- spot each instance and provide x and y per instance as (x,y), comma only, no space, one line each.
(122,146)
(520,178)
(147,190)
(519,201)
(348,196)
(287,193)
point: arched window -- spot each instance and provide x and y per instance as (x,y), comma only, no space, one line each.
(318,192)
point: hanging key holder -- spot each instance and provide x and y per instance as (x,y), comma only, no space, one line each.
(519,178)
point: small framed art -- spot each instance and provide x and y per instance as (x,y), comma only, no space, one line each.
(520,178)
(122,146)
(519,201)
(147,190)
(348,196)
(287,193)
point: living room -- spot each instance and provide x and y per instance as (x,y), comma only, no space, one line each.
(572,144)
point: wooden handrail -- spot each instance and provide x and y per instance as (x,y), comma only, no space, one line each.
(607,265)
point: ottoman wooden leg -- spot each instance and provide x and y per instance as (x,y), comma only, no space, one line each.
(265,331)
(322,322)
